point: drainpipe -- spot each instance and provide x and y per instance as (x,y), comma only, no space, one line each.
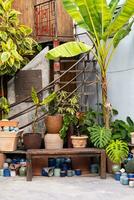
(56,42)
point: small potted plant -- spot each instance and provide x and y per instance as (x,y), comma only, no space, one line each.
(33,140)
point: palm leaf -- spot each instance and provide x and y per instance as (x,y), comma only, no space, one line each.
(113,5)
(122,18)
(69,49)
(122,33)
(117,151)
(73,11)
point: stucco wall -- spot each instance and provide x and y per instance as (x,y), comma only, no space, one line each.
(39,62)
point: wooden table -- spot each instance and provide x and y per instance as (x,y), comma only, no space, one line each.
(69,152)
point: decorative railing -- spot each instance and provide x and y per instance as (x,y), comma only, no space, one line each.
(45,19)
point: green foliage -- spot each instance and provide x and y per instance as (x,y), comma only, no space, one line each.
(68,119)
(15,41)
(68,107)
(39,103)
(100,136)
(121,130)
(69,49)
(99,20)
(4,107)
(117,151)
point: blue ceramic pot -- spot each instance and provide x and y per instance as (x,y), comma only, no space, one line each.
(51,162)
(117,176)
(6,172)
(77,172)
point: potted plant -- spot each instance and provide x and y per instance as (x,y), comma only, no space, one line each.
(116,149)
(65,109)
(33,140)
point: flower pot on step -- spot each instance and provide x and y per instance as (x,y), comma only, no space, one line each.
(53,141)
(53,123)
(132,137)
(79,141)
(32,140)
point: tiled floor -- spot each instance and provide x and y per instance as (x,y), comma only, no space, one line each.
(75,188)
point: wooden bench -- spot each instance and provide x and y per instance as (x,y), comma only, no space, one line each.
(69,152)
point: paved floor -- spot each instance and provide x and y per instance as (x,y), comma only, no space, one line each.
(75,188)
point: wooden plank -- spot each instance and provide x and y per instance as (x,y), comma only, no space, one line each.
(65,151)
(26,7)
(64,22)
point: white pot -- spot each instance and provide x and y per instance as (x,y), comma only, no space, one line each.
(79,141)
(53,141)
(132,137)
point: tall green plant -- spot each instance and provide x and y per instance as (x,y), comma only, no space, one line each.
(15,40)
(98,18)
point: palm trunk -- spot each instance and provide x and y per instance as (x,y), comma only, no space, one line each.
(105,103)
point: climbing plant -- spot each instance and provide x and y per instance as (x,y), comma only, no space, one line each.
(106,27)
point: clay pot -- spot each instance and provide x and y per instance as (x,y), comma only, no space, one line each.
(79,141)
(32,140)
(53,123)
(53,141)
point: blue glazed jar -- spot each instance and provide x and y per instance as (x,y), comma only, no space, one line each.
(6,172)
(131,175)
(94,168)
(124,179)
(117,176)
(51,162)
(63,173)
(77,172)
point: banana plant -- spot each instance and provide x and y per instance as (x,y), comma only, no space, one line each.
(106,27)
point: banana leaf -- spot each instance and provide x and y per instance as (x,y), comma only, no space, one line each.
(69,49)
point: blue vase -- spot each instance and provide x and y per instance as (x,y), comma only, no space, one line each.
(77,172)
(117,176)
(51,162)
(6,172)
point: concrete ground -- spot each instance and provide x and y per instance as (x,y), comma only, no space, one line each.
(74,188)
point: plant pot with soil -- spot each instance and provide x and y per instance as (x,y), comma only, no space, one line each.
(33,140)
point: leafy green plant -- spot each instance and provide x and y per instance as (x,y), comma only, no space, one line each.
(38,104)
(100,136)
(4,107)
(68,107)
(63,104)
(120,130)
(16,44)
(101,22)
(117,150)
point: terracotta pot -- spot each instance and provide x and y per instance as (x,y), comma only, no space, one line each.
(53,141)
(79,141)
(32,140)
(53,123)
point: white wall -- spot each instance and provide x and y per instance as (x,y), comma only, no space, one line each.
(121,81)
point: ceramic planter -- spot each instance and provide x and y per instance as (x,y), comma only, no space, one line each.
(53,123)
(53,141)
(32,140)
(79,141)
(132,138)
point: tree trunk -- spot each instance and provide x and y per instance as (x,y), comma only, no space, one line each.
(105,104)
(2,87)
